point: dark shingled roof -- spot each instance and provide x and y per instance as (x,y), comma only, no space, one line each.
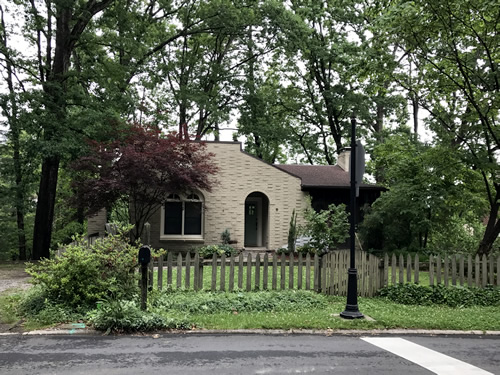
(321,176)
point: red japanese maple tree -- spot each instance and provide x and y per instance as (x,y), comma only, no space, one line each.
(142,169)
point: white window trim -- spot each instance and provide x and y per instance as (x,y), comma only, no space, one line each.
(183,237)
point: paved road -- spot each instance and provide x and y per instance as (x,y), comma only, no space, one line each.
(248,354)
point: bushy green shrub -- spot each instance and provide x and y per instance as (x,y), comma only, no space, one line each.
(126,316)
(225,237)
(454,296)
(327,228)
(83,275)
(209,250)
(307,249)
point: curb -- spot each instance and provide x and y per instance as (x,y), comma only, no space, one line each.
(270,332)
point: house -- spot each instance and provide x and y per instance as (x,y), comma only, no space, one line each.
(254,200)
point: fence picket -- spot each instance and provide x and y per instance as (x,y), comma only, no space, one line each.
(484,262)
(249,272)
(222,286)
(469,270)
(453,270)
(275,271)
(240,272)
(169,268)
(386,270)
(431,270)
(408,268)
(150,274)
(492,272)
(257,272)
(231,273)
(393,269)
(401,267)
(308,271)
(498,270)
(477,270)
(282,273)
(265,274)
(160,272)
(188,271)
(317,271)
(213,285)
(461,269)
(179,271)
(299,272)
(438,269)
(417,269)
(446,269)
(197,281)
(291,266)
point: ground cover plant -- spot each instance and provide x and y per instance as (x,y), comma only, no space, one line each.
(453,296)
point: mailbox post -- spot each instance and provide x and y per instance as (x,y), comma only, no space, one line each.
(144,259)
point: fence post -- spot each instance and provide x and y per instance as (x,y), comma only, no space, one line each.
(317,273)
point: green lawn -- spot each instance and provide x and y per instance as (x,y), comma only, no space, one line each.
(386,315)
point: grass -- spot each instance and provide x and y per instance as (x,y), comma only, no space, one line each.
(309,310)
(8,307)
(386,314)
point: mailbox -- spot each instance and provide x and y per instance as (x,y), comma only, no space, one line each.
(144,255)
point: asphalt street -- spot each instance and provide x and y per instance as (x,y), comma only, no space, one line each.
(248,354)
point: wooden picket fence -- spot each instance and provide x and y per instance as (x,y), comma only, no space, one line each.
(459,269)
(323,274)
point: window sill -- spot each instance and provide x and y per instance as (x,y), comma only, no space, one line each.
(182,239)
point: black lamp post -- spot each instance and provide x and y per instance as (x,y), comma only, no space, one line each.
(351,310)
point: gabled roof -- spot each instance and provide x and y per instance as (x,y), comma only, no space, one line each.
(322,176)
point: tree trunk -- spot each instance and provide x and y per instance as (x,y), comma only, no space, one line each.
(492,230)
(68,31)
(45,208)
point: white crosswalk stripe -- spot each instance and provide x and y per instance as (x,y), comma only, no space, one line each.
(431,360)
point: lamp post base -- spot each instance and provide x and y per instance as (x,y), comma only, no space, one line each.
(351,312)
(351,309)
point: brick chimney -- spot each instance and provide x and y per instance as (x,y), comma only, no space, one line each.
(344,159)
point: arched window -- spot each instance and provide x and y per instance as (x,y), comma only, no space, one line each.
(182,217)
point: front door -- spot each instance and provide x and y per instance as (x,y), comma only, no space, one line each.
(251,224)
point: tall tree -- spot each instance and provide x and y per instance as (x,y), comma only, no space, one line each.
(71,19)
(10,109)
(454,47)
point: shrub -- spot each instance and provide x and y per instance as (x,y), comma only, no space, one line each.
(326,228)
(225,237)
(307,249)
(209,250)
(454,296)
(126,316)
(81,276)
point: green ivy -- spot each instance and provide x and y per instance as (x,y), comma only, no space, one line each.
(453,296)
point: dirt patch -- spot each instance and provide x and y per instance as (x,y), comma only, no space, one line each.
(13,277)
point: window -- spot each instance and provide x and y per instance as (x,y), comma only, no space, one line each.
(182,217)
